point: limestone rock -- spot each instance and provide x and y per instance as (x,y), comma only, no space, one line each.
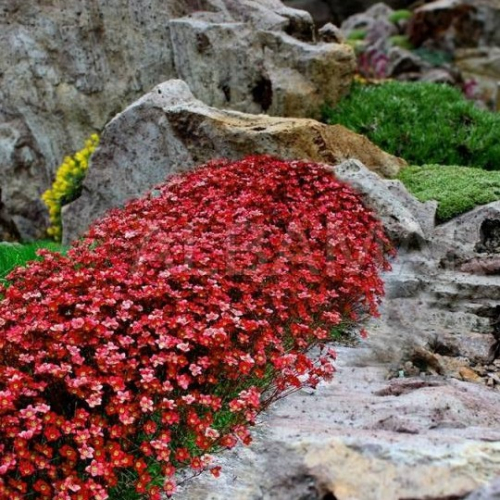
(66,68)
(331,33)
(454,24)
(404,61)
(23,179)
(375,20)
(481,66)
(253,64)
(168,130)
(401,225)
(489,492)
(475,232)
(450,76)
(424,213)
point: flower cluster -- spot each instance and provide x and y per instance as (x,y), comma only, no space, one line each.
(163,332)
(67,185)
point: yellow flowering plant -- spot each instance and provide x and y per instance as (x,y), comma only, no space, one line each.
(67,185)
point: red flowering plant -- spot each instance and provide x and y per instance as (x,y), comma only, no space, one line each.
(164,331)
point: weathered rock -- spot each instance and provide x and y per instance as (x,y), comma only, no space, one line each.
(424,213)
(489,492)
(8,231)
(375,20)
(404,61)
(469,375)
(66,68)
(485,265)
(481,66)
(450,76)
(23,180)
(453,24)
(401,225)
(477,231)
(257,66)
(331,34)
(169,130)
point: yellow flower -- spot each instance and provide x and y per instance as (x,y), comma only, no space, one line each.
(67,184)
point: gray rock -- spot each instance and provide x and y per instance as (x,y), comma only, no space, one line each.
(401,225)
(453,24)
(375,19)
(441,75)
(361,437)
(330,33)
(168,130)
(66,70)
(475,232)
(424,213)
(404,61)
(489,492)
(23,180)
(481,68)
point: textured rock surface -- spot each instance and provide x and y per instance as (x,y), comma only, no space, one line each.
(482,65)
(66,68)
(389,203)
(474,231)
(453,24)
(431,433)
(490,492)
(169,130)
(376,18)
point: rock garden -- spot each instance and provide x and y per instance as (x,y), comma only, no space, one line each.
(249,251)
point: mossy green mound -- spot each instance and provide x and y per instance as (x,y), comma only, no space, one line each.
(456,189)
(423,123)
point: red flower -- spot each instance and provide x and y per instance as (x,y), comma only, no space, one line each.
(160,320)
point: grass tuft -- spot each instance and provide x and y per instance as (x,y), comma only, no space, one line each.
(13,254)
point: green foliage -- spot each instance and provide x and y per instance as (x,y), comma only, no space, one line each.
(424,123)
(456,189)
(401,41)
(400,15)
(358,34)
(13,255)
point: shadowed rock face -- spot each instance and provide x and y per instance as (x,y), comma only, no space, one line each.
(168,130)
(66,68)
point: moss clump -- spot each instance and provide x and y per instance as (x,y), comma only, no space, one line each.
(424,123)
(357,34)
(401,41)
(400,15)
(456,189)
